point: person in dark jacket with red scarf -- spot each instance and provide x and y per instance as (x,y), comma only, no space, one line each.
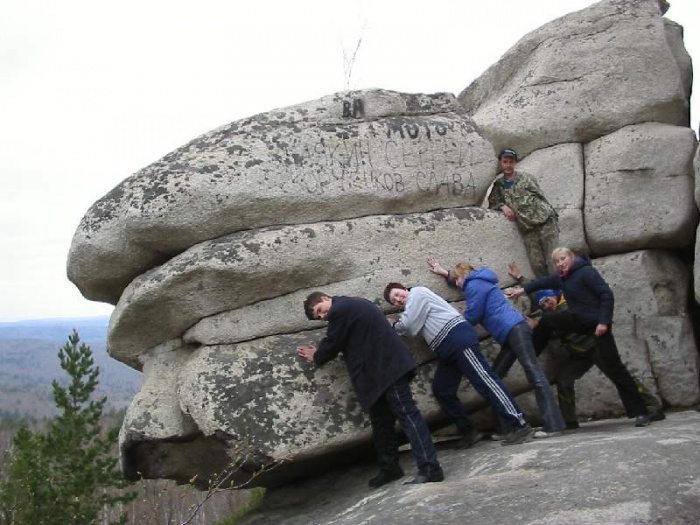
(380,367)
(591,303)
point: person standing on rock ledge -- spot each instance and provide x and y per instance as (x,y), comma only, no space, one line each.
(456,344)
(521,200)
(380,368)
(487,305)
(590,311)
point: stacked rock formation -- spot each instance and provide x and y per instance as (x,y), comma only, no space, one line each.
(209,252)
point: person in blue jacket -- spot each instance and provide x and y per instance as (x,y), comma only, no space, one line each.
(487,305)
(591,304)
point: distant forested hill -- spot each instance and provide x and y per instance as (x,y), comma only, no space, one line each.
(29,362)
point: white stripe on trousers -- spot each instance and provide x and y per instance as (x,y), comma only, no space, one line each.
(492,385)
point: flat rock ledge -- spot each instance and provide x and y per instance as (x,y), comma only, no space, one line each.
(607,472)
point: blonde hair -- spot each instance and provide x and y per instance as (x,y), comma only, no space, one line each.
(461,269)
(562,249)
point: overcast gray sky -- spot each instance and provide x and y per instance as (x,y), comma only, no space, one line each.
(91,92)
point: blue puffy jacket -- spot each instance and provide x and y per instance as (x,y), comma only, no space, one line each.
(488,306)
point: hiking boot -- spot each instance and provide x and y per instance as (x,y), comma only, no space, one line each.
(519,435)
(469,439)
(642,420)
(386,476)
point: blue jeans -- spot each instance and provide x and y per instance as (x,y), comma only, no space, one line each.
(460,350)
(398,403)
(519,346)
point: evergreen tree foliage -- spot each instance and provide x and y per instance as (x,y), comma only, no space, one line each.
(68,474)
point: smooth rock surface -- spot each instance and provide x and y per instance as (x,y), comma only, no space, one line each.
(607,472)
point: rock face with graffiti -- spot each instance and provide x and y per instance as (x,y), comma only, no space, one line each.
(312,162)
(209,252)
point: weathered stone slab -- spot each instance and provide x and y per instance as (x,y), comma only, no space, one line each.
(583,76)
(155,413)
(674,37)
(258,400)
(345,155)
(247,267)
(559,172)
(639,189)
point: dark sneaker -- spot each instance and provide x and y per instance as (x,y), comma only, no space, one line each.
(386,476)
(642,420)
(435,477)
(469,440)
(571,425)
(519,435)
(657,415)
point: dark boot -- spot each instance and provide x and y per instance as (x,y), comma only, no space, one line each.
(469,439)
(433,477)
(386,476)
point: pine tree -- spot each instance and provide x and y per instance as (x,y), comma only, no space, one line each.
(68,474)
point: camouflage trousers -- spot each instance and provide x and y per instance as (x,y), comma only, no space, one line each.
(539,245)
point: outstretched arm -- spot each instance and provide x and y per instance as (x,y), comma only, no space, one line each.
(435,267)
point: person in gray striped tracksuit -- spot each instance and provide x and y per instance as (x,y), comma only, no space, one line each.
(456,344)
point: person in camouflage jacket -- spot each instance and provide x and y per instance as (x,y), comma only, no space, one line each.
(521,200)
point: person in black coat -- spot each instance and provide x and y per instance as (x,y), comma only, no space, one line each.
(591,304)
(380,369)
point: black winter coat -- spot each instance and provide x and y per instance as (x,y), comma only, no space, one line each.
(589,297)
(375,356)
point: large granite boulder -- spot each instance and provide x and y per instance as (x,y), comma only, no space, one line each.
(244,268)
(256,396)
(209,252)
(346,155)
(255,407)
(639,189)
(583,76)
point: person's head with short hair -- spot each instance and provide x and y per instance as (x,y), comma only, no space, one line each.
(460,272)
(563,259)
(547,299)
(507,158)
(317,305)
(396,294)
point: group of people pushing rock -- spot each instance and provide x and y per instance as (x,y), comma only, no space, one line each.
(576,306)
